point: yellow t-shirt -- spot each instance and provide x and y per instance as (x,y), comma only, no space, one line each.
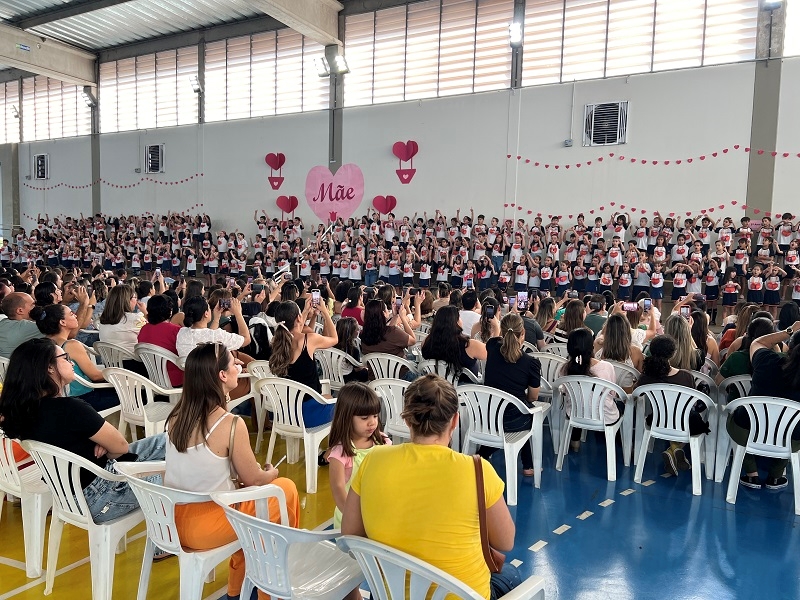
(422,499)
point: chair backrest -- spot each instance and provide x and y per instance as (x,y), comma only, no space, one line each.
(112,355)
(529,348)
(441,368)
(287,398)
(704,383)
(559,349)
(587,397)
(61,471)
(3,368)
(772,422)
(486,407)
(267,545)
(156,359)
(158,502)
(395,575)
(391,392)
(259,369)
(386,366)
(626,375)
(424,328)
(551,365)
(133,390)
(420,335)
(9,473)
(671,405)
(740,384)
(330,361)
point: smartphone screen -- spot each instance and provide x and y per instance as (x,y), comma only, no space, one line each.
(249,280)
(315,297)
(686,311)
(469,284)
(398,302)
(512,300)
(648,304)
(522,300)
(287,276)
(630,306)
(323,280)
(573,294)
(489,311)
(505,299)
(230,281)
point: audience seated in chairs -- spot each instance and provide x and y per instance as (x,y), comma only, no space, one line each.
(447,343)
(160,332)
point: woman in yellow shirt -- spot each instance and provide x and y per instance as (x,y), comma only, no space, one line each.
(398,495)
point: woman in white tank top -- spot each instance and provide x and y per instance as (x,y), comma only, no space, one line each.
(199,456)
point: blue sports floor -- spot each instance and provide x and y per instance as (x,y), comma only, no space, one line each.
(594,539)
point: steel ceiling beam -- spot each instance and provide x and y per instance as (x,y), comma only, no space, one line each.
(315,19)
(63,12)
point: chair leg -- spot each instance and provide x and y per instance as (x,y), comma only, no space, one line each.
(123,425)
(293,450)
(147,567)
(637,478)
(795,460)
(536,448)
(311,447)
(101,557)
(710,443)
(191,579)
(261,415)
(271,446)
(736,470)
(697,476)
(53,545)
(511,454)
(611,452)
(34,520)
(723,450)
(565,436)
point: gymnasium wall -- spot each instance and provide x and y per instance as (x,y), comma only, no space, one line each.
(787,171)
(462,161)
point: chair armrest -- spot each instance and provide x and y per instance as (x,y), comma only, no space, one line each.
(352,360)
(530,588)
(326,391)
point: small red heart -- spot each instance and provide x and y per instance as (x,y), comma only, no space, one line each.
(755,210)
(578,165)
(666,162)
(671,214)
(633,160)
(785,155)
(508,156)
(547,166)
(677,162)
(633,209)
(538,214)
(689,160)
(611,154)
(767,214)
(536,164)
(721,206)
(556,166)
(702,211)
(798,155)
(588,162)
(518,157)
(599,159)
(774,154)
(611,203)
(711,209)
(506,204)
(570,216)
(622,207)
(530,212)
(519,208)
(724,150)
(714,154)
(736,147)
(733,202)
(747,149)
(760,151)
(603,207)
(566,166)
(513,205)
(591,212)
(655,162)
(744,206)
(702,157)
(643,211)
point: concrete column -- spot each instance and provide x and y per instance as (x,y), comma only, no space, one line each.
(335,116)
(766,100)
(516,52)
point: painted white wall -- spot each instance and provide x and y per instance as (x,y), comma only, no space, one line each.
(462,159)
(784,194)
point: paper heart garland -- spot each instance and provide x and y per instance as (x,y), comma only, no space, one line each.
(384,204)
(275,161)
(287,204)
(407,150)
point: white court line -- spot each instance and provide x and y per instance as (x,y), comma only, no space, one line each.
(535,548)
(665,475)
(562,529)
(516,562)
(648,483)
(627,492)
(606,503)
(10,562)
(585,515)
(35,582)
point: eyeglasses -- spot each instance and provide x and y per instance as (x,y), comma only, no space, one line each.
(65,356)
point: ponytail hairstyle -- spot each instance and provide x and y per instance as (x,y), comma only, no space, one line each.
(486,322)
(48,318)
(353,296)
(194,310)
(511,327)
(580,345)
(662,349)
(429,405)
(283,341)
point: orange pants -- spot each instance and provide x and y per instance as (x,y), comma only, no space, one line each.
(204,526)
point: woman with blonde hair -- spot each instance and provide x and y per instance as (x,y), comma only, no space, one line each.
(546,315)
(574,316)
(686,355)
(509,369)
(615,344)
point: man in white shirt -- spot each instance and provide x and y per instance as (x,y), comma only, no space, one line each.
(471,312)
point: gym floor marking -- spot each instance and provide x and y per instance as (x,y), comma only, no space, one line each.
(538,546)
(648,483)
(665,475)
(606,503)
(10,562)
(516,562)
(562,529)
(627,492)
(585,515)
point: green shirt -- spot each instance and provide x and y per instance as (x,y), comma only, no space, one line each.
(595,322)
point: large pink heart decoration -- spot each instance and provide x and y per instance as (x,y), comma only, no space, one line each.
(331,196)
(287,204)
(406,150)
(384,204)
(275,161)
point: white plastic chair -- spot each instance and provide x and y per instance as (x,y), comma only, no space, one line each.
(772,422)
(485,408)
(419,335)
(741,385)
(701,383)
(137,399)
(551,370)
(61,470)
(625,374)
(559,349)
(440,368)
(36,502)
(529,348)
(259,369)
(287,400)
(156,359)
(671,406)
(3,368)
(395,575)
(283,561)
(387,366)
(331,361)
(112,355)
(391,392)
(587,411)
(158,505)
(424,328)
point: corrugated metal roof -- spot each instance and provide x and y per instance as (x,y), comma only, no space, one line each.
(131,21)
